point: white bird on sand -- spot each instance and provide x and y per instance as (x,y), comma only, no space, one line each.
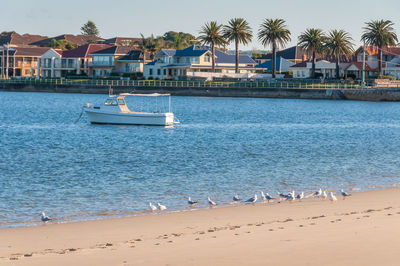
(252,199)
(236,198)
(324,195)
(282,195)
(152,207)
(192,202)
(291,196)
(211,202)
(45,218)
(268,197)
(318,193)
(344,194)
(332,197)
(161,207)
(300,196)
(263,197)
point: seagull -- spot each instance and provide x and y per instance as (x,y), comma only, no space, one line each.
(324,195)
(211,202)
(344,194)
(282,195)
(268,197)
(252,199)
(236,198)
(161,207)
(152,207)
(318,193)
(45,218)
(291,196)
(192,202)
(300,196)
(263,197)
(332,197)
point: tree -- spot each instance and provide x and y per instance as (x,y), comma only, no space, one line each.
(274,32)
(149,45)
(237,30)
(338,44)
(211,34)
(312,40)
(90,28)
(178,40)
(62,44)
(379,33)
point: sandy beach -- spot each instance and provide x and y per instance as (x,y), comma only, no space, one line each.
(361,230)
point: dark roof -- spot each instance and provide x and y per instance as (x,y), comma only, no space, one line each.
(76,39)
(268,64)
(152,63)
(122,41)
(169,52)
(222,57)
(301,64)
(27,51)
(84,51)
(14,38)
(134,55)
(291,53)
(114,50)
(193,50)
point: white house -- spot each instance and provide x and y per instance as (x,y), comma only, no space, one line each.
(173,64)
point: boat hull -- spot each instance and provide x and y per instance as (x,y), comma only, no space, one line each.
(153,119)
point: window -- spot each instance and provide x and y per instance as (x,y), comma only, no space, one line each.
(150,71)
(207,58)
(114,102)
(158,72)
(108,102)
(165,72)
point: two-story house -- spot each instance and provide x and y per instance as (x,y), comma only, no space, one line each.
(105,61)
(56,63)
(190,62)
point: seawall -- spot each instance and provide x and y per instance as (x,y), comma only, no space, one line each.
(378,94)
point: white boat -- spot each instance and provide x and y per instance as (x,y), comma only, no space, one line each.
(115,111)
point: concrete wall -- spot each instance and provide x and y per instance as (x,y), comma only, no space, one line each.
(363,95)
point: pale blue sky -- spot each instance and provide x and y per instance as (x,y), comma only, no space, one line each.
(129,18)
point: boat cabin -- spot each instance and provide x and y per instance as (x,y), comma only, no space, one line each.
(117,101)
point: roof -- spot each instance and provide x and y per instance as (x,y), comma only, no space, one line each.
(28,51)
(300,65)
(84,51)
(14,38)
(193,50)
(76,39)
(358,65)
(268,64)
(114,50)
(222,58)
(153,62)
(122,41)
(169,52)
(291,53)
(134,55)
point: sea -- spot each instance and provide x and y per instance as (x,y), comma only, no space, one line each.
(53,160)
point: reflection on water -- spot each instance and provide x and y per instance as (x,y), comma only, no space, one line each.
(223,146)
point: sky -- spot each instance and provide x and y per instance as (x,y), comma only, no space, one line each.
(129,18)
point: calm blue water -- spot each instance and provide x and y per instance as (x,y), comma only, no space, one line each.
(223,146)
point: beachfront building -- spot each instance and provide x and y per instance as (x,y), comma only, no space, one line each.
(105,61)
(195,62)
(20,61)
(56,63)
(282,65)
(294,54)
(133,62)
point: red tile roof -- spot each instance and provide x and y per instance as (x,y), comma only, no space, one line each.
(358,65)
(14,38)
(84,51)
(27,51)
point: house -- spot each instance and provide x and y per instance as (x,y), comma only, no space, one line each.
(20,61)
(14,39)
(122,41)
(323,68)
(195,61)
(56,63)
(78,40)
(282,64)
(105,61)
(295,54)
(133,61)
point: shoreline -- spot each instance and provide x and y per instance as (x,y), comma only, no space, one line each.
(353,226)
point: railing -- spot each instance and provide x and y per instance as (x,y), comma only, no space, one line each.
(190,84)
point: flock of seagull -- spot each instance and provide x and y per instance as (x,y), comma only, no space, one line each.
(291,196)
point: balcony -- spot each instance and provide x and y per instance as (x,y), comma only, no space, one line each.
(101,64)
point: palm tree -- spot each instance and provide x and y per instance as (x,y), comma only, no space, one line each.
(274,32)
(211,34)
(338,44)
(149,45)
(312,41)
(238,31)
(379,33)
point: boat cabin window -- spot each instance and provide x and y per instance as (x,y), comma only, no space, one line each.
(111,102)
(121,102)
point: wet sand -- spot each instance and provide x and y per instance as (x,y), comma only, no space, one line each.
(364,229)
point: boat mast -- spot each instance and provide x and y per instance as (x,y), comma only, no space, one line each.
(169,104)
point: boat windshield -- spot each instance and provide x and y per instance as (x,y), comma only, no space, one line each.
(111,101)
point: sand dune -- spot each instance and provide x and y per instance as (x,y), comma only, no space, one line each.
(361,230)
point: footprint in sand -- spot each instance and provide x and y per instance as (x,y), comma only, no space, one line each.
(301,225)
